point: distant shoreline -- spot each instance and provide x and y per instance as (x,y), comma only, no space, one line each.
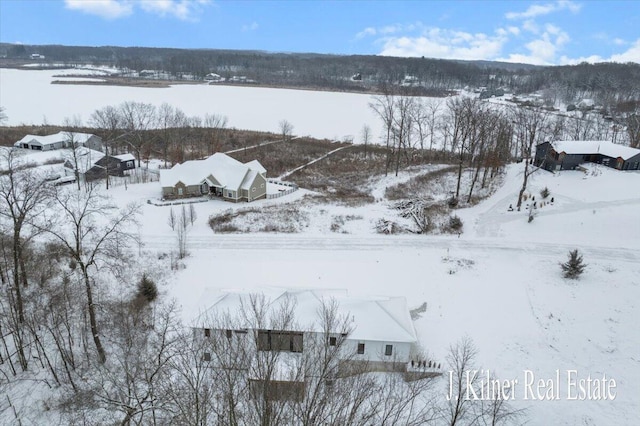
(162,83)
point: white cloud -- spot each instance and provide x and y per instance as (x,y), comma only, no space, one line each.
(530,26)
(543,50)
(445,44)
(630,55)
(536,10)
(389,29)
(250,27)
(369,31)
(108,9)
(186,10)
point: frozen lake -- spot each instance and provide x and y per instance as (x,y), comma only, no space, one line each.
(29,98)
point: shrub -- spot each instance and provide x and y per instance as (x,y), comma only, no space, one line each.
(574,267)
(545,192)
(452,202)
(455,223)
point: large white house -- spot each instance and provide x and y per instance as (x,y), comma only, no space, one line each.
(218,175)
(60,140)
(380,330)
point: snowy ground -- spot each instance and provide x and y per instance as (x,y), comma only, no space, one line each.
(499,283)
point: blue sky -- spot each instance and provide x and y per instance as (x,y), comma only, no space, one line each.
(546,32)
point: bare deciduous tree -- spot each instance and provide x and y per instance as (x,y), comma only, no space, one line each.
(366,138)
(94,234)
(530,128)
(286,130)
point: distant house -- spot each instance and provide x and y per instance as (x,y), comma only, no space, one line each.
(213,77)
(491,93)
(218,175)
(567,155)
(380,337)
(37,56)
(59,140)
(89,164)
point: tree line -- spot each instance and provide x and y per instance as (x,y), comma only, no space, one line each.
(603,82)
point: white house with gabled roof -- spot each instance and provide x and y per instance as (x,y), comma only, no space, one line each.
(60,140)
(218,175)
(381,333)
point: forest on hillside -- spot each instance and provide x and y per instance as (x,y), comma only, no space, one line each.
(604,82)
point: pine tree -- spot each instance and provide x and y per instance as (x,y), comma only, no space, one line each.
(147,290)
(574,267)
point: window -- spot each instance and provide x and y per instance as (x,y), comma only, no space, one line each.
(332,341)
(253,189)
(360,348)
(262,185)
(388,350)
(228,333)
(282,341)
(206,356)
(207,332)
(179,191)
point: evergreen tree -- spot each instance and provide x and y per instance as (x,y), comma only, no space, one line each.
(574,267)
(147,290)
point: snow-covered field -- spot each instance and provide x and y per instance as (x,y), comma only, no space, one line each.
(29,98)
(499,283)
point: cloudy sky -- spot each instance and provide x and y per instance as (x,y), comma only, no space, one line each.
(546,32)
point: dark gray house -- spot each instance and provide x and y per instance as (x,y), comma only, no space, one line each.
(567,155)
(93,165)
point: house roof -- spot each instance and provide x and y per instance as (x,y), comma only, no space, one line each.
(376,319)
(79,138)
(607,148)
(230,173)
(85,157)
(125,157)
(255,165)
(248,179)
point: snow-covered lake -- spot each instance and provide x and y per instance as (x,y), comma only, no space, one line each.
(29,98)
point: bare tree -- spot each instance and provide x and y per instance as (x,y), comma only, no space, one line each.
(366,138)
(286,129)
(94,234)
(181,225)
(530,127)
(3,115)
(137,119)
(384,107)
(461,359)
(23,198)
(215,123)
(462,112)
(142,344)
(109,120)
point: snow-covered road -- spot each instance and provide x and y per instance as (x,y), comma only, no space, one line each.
(280,242)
